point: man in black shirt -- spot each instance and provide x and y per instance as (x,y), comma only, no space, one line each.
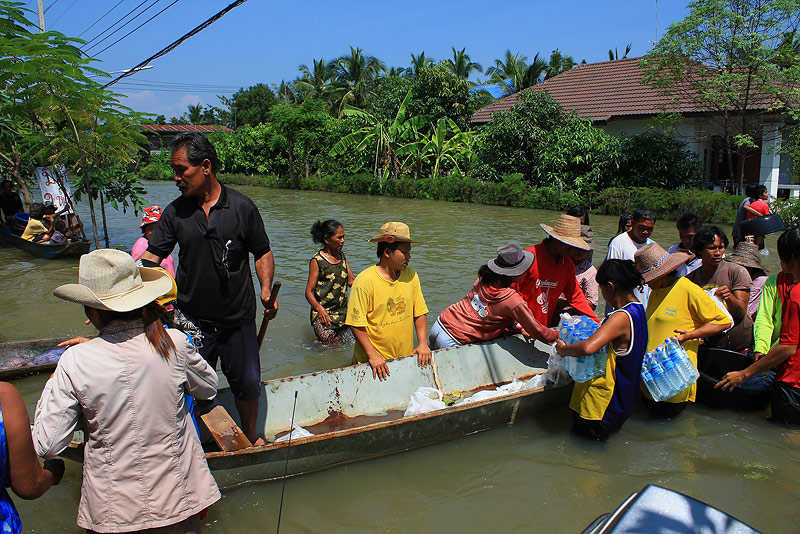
(10,203)
(217,229)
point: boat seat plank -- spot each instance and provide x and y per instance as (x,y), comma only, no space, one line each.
(224,430)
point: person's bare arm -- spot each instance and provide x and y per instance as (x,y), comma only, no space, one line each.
(707,330)
(614,327)
(149,256)
(751,210)
(379,368)
(265,270)
(313,277)
(736,301)
(776,356)
(422,351)
(29,479)
(350,277)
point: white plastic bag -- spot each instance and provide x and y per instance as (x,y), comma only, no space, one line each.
(712,292)
(556,374)
(425,400)
(296,433)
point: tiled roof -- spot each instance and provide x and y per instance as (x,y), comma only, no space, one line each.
(602,92)
(180,128)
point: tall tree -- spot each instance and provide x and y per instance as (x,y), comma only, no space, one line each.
(512,73)
(613,55)
(730,58)
(195,113)
(355,71)
(419,62)
(461,64)
(317,81)
(251,106)
(559,63)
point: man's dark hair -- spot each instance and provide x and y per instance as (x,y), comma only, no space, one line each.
(755,191)
(688,220)
(489,277)
(61,226)
(579,211)
(198,148)
(383,245)
(707,234)
(37,211)
(644,213)
(622,273)
(789,244)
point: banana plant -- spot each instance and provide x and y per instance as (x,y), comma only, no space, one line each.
(440,148)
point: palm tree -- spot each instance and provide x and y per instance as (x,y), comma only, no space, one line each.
(418,62)
(613,55)
(461,64)
(195,113)
(506,68)
(533,73)
(513,74)
(285,90)
(354,72)
(316,80)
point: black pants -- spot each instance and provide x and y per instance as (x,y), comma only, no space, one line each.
(664,410)
(785,402)
(594,430)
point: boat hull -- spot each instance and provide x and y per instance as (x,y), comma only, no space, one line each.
(16,357)
(46,251)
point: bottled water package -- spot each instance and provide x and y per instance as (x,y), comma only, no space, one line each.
(667,370)
(579,328)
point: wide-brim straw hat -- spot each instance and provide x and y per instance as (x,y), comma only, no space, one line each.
(653,262)
(109,279)
(567,230)
(511,260)
(746,255)
(393,231)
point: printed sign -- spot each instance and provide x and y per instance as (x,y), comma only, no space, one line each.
(49,178)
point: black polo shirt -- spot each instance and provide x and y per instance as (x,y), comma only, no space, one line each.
(211,291)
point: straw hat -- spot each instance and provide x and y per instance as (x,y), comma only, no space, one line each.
(109,279)
(746,255)
(511,260)
(393,231)
(567,230)
(653,262)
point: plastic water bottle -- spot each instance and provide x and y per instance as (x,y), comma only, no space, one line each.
(600,361)
(659,377)
(687,367)
(650,384)
(672,373)
(562,333)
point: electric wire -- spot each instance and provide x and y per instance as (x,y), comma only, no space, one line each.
(123,17)
(63,12)
(173,45)
(101,18)
(137,27)
(54,2)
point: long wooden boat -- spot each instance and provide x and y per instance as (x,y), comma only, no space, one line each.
(354,417)
(47,251)
(17,357)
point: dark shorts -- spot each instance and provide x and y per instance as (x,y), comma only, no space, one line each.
(237,351)
(664,410)
(785,402)
(595,430)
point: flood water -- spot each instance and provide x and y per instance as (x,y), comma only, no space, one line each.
(532,476)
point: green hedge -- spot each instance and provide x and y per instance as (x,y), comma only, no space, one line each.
(513,191)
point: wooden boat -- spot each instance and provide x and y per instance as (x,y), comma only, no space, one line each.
(46,250)
(17,357)
(354,417)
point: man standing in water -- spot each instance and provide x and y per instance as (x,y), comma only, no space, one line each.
(217,228)
(386,305)
(625,245)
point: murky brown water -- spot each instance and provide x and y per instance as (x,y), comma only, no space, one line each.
(532,476)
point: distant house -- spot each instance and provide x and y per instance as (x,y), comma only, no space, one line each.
(160,135)
(612,96)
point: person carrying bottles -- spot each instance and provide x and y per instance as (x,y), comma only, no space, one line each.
(492,308)
(677,308)
(329,277)
(602,404)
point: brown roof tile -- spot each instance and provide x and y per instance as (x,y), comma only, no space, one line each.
(601,92)
(180,128)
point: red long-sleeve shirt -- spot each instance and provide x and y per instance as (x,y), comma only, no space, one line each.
(545,280)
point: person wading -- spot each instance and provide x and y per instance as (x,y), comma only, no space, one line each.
(217,228)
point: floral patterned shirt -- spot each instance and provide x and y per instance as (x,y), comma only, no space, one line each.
(331,289)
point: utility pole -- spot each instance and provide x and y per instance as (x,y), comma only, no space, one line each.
(40,6)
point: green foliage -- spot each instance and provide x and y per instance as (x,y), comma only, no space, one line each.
(789,210)
(159,167)
(709,206)
(438,93)
(251,106)
(655,160)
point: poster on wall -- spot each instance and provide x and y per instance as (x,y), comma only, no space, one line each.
(49,178)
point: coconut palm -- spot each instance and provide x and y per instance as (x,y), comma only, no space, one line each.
(195,113)
(613,55)
(513,73)
(354,71)
(506,68)
(461,64)
(315,81)
(418,62)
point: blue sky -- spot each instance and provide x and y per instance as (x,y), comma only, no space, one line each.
(263,41)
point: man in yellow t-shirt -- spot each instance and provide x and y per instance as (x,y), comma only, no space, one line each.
(386,305)
(36,231)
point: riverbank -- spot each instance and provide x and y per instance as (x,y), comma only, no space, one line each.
(719,208)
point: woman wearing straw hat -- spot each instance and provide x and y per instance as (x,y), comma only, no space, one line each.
(676,308)
(492,308)
(553,272)
(746,255)
(144,467)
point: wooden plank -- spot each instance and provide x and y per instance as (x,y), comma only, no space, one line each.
(225,431)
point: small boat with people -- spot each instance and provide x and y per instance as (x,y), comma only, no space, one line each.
(344,415)
(49,251)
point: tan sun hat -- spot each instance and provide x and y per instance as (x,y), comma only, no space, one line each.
(393,231)
(746,255)
(109,279)
(567,230)
(653,262)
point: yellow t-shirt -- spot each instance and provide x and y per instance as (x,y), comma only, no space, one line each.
(387,311)
(34,228)
(685,306)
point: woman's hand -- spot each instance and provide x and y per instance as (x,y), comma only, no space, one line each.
(324,317)
(74,341)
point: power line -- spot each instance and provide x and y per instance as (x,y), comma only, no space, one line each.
(63,12)
(142,12)
(54,2)
(123,17)
(177,42)
(137,27)
(101,18)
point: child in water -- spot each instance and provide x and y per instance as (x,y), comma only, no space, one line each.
(329,277)
(603,404)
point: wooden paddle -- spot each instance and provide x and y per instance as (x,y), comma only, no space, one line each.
(262,331)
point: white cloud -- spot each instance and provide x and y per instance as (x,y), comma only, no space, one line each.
(167,104)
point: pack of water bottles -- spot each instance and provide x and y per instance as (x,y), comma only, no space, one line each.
(579,328)
(667,370)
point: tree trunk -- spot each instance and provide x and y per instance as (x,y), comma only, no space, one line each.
(290,143)
(306,164)
(103,215)
(86,182)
